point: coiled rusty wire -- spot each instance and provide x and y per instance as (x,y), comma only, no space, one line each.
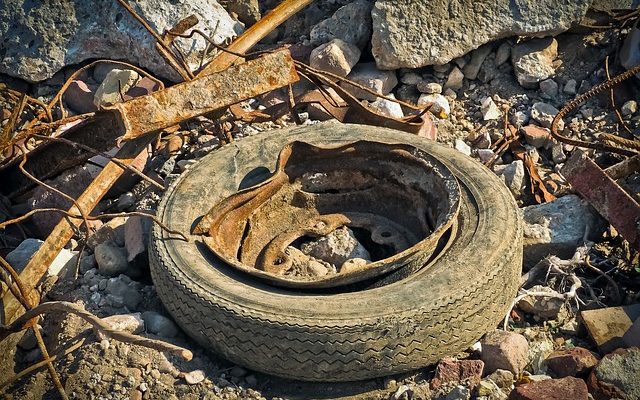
(632,146)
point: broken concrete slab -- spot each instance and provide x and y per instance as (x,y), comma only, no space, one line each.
(41,38)
(413,34)
(607,326)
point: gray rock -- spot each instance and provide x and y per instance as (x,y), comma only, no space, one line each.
(115,85)
(462,147)
(388,107)
(124,288)
(543,113)
(502,54)
(549,88)
(62,265)
(455,79)
(125,201)
(41,38)
(440,103)
(459,392)
(478,56)
(351,23)
(618,371)
(520,118)
(337,247)
(159,324)
(410,78)
(87,262)
(111,259)
(557,153)
(489,109)
(429,87)
(248,11)
(632,337)
(571,87)
(371,77)
(485,154)
(557,228)
(412,34)
(336,56)
(629,108)
(513,176)
(533,61)
(136,236)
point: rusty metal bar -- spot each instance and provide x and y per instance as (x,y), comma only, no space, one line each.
(204,94)
(605,195)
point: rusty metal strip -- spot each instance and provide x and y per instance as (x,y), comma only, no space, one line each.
(204,94)
(605,195)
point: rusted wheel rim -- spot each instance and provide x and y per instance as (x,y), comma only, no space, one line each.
(402,197)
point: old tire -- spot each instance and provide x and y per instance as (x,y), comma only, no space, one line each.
(437,311)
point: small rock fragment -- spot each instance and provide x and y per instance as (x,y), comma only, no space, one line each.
(455,80)
(552,389)
(136,236)
(629,108)
(533,61)
(571,87)
(485,154)
(115,85)
(577,362)
(490,110)
(368,75)
(410,78)
(504,350)
(112,231)
(440,104)
(429,87)
(336,56)
(502,54)
(124,291)
(557,153)
(513,176)
(79,97)
(194,377)
(337,247)
(462,147)
(459,372)
(159,324)
(388,107)
(502,378)
(472,68)
(542,306)
(536,136)
(549,88)
(350,23)
(111,259)
(543,113)
(131,323)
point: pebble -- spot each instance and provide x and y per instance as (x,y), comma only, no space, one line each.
(121,288)
(629,108)
(194,377)
(459,393)
(159,324)
(410,78)
(550,389)
(115,85)
(464,372)
(577,362)
(502,378)
(455,79)
(543,113)
(440,104)
(462,147)
(549,88)
(513,176)
(337,247)
(502,54)
(368,75)
(388,107)
(570,87)
(429,87)
(485,154)
(557,153)
(131,323)
(490,110)
(111,259)
(336,56)
(536,136)
(504,350)
(520,118)
(472,68)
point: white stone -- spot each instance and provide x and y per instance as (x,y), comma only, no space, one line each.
(368,75)
(513,176)
(533,61)
(114,86)
(336,56)
(440,103)
(462,147)
(629,108)
(543,114)
(490,110)
(336,248)
(388,107)
(455,80)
